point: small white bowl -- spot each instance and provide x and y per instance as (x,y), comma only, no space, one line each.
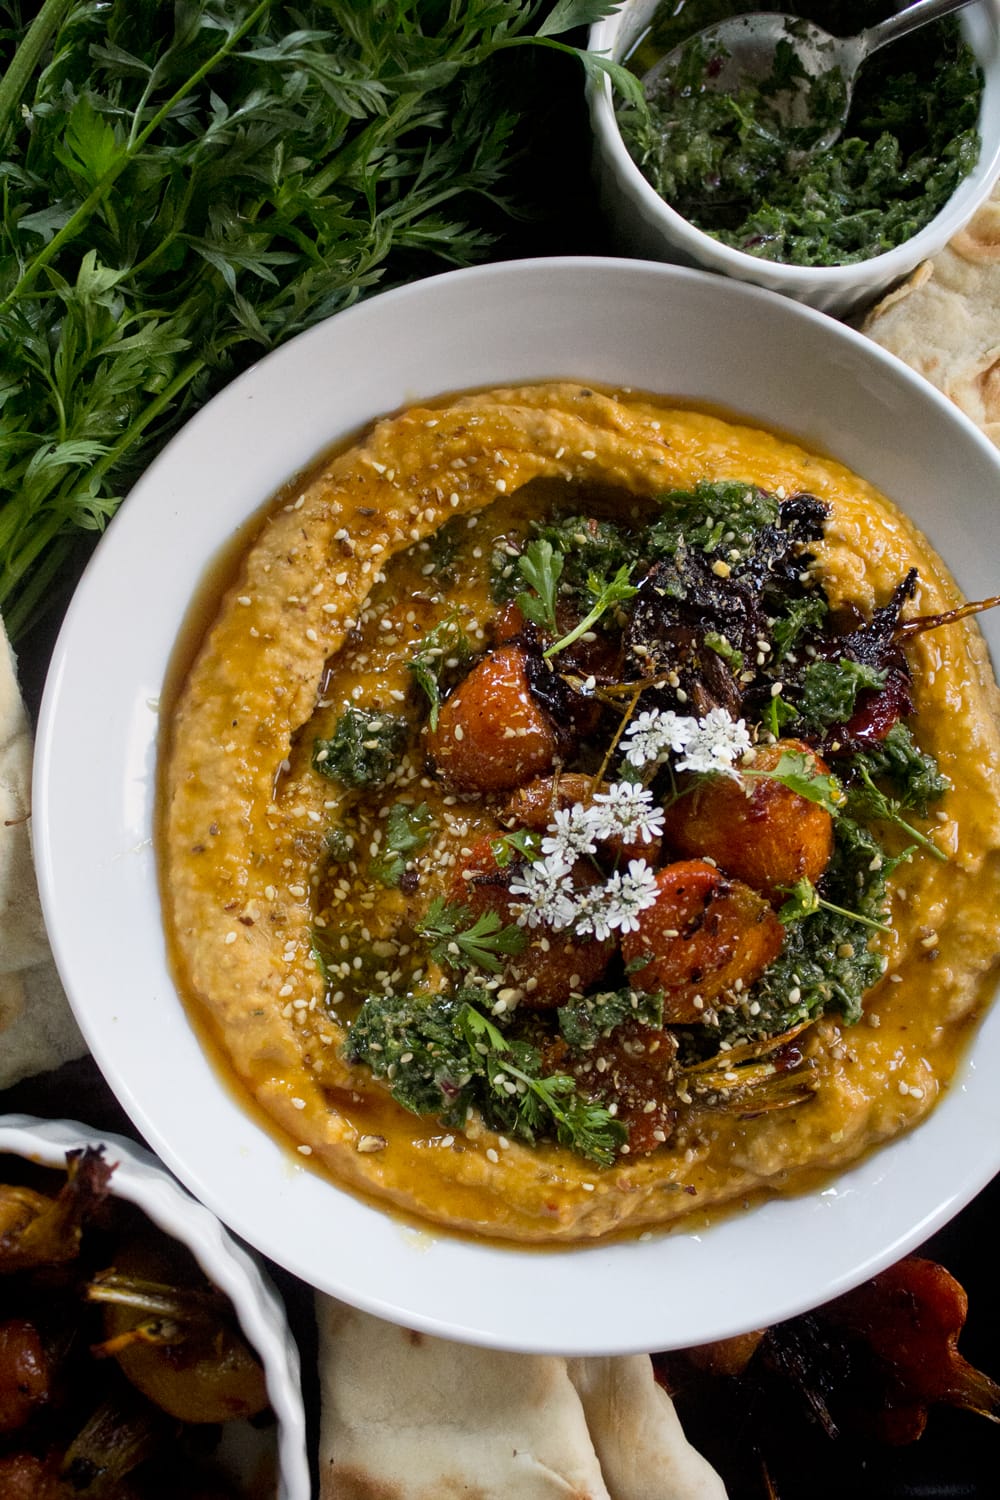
(140,1179)
(642,224)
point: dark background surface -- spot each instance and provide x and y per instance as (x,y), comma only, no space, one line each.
(958,1457)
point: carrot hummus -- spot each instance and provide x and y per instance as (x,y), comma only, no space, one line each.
(581,812)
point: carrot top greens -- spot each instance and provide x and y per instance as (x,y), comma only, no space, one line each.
(186,186)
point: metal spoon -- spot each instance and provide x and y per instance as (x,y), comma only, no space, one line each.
(742,51)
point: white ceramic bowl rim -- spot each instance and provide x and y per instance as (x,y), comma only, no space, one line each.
(618,323)
(981,27)
(140,1179)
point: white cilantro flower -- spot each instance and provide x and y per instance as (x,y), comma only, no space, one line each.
(656,732)
(627,811)
(630,893)
(572,832)
(547,887)
(720,741)
(592,913)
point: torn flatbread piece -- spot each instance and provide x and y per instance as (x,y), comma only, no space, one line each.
(945,320)
(37,1029)
(406,1416)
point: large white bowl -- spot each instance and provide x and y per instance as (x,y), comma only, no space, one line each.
(140,1179)
(657,327)
(641,223)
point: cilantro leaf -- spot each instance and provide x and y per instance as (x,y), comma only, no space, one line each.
(459,941)
(442,655)
(606,593)
(540,566)
(798,771)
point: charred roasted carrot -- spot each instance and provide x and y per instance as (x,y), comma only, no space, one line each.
(910,1316)
(759,831)
(705,938)
(491,733)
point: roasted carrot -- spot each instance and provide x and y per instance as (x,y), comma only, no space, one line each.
(705,939)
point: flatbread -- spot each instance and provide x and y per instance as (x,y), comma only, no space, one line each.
(406,1416)
(37,1029)
(945,320)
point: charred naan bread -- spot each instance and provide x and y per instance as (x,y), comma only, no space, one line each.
(409,1417)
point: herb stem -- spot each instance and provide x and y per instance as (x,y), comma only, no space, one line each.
(25,60)
(854,916)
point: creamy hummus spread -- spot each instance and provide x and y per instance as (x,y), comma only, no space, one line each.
(386,731)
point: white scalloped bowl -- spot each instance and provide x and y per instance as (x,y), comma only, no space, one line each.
(619,323)
(641,223)
(140,1179)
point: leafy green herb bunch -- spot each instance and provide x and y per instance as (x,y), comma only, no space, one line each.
(185,185)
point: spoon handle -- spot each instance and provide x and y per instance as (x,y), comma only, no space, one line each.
(908,20)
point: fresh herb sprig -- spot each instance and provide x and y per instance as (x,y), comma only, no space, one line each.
(580,1123)
(460,940)
(799,773)
(442,1056)
(606,593)
(867,801)
(540,565)
(803,900)
(443,653)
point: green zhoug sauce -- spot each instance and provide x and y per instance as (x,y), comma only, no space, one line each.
(727,164)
